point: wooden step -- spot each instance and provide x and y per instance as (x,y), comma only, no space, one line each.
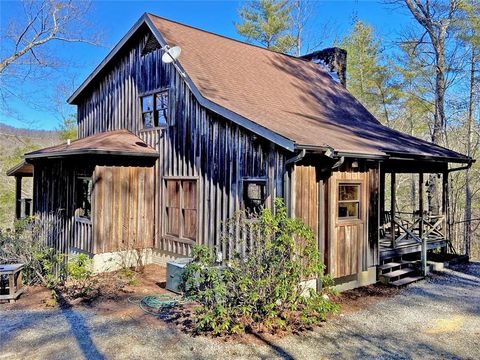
(390,265)
(406,280)
(398,273)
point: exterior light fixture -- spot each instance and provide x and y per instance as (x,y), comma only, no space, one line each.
(171,55)
(355,164)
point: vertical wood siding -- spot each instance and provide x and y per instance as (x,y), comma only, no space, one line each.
(123,208)
(198,144)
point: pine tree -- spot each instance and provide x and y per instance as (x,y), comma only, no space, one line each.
(268,23)
(370,80)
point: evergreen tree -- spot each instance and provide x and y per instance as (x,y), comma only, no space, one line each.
(369,78)
(268,23)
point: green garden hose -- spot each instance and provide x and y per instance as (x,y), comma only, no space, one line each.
(154,304)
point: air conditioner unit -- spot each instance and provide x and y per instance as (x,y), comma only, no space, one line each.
(175,270)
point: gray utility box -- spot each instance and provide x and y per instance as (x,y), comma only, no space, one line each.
(175,269)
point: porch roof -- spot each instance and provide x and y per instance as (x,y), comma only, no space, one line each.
(21,169)
(119,142)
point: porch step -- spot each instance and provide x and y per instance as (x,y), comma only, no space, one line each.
(390,266)
(398,273)
(406,280)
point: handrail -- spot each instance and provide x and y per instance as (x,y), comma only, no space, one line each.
(432,226)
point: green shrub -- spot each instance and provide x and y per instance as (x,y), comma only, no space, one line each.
(80,280)
(42,264)
(263,285)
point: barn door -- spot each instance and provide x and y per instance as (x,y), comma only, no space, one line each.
(347,223)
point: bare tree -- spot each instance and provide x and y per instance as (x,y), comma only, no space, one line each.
(435,18)
(43,22)
(27,52)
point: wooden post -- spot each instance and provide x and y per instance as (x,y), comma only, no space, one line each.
(392,207)
(420,230)
(18,197)
(382,197)
(445,226)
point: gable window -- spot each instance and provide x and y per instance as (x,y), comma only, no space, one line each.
(254,194)
(155,110)
(83,205)
(348,201)
(181,208)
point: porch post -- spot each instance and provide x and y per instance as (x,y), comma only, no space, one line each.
(392,207)
(446,226)
(18,196)
(420,230)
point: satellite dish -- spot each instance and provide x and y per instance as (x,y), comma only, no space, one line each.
(171,54)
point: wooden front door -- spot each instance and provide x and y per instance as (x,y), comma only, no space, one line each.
(347,223)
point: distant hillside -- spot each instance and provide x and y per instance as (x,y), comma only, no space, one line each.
(14,142)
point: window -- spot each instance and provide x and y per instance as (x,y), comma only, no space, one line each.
(181,208)
(83,207)
(155,109)
(349,201)
(254,194)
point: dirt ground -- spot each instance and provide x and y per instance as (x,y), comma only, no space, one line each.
(436,318)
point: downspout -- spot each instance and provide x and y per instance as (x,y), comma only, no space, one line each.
(288,189)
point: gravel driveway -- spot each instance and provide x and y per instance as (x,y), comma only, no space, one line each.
(434,319)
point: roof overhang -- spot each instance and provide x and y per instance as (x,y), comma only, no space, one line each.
(22,169)
(119,143)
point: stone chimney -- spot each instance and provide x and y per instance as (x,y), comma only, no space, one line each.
(334,60)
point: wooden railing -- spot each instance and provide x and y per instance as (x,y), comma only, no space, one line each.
(82,240)
(416,227)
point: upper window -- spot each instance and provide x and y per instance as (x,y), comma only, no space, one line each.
(254,194)
(349,201)
(181,208)
(84,197)
(155,109)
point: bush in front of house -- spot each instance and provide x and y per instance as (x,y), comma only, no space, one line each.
(24,245)
(263,287)
(80,281)
(43,265)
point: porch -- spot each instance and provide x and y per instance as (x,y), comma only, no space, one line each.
(421,228)
(408,239)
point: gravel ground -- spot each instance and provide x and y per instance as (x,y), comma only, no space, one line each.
(434,319)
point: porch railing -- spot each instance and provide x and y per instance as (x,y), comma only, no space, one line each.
(416,227)
(82,236)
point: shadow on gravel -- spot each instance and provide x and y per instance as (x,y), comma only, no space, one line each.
(80,331)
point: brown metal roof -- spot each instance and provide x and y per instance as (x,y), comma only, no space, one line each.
(119,142)
(293,97)
(21,169)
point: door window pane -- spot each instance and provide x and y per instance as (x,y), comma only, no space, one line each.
(349,201)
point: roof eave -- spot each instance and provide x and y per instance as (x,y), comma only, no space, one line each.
(61,154)
(71,100)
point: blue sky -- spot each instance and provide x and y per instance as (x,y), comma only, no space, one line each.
(114,18)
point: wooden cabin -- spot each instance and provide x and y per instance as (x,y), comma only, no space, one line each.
(168,151)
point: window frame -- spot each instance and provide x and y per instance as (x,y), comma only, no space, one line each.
(254,180)
(154,110)
(181,236)
(349,219)
(77,208)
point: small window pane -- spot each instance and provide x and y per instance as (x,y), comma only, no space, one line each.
(161,108)
(147,103)
(349,192)
(148,120)
(162,100)
(348,210)
(162,117)
(84,197)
